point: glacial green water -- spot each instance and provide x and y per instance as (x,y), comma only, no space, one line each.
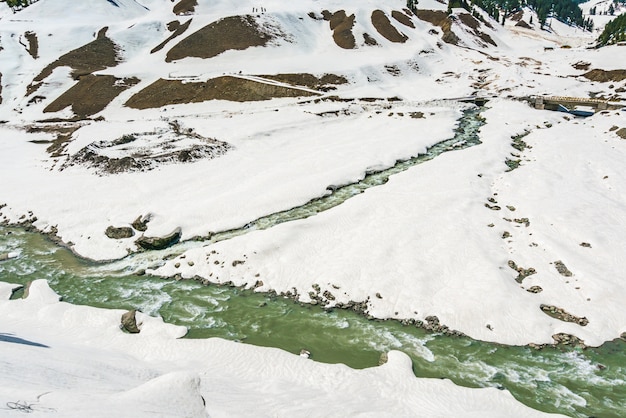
(575,382)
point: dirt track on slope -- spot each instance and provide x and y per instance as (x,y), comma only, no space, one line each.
(168,92)
(177,29)
(323,83)
(385,28)
(233,32)
(91,94)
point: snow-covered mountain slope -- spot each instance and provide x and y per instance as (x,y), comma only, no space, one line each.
(205,116)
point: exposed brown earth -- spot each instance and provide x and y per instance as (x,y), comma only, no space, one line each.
(185,7)
(33,44)
(603,76)
(385,28)
(402,18)
(441,19)
(233,32)
(341,25)
(91,94)
(523,24)
(95,56)
(471,22)
(323,83)
(167,92)
(369,40)
(177,29)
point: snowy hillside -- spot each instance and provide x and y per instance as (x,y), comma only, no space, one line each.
(124,121)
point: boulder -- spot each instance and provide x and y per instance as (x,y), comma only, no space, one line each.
(129,322)
(159,243)
(119,233)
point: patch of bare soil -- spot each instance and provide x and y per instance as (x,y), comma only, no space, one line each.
(167,92)
(233,32)
(369,40)
(185,7)
(402,18)
(517,16)
(33,44)
(0,88)
(385,28)
(324,83)
(523,24)
(603,76)
(144,151)
(341,25)
(91,94)
(581,65)
(177,29)
(441,19)
(95,56)
(471,22)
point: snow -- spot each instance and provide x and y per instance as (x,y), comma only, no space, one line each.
(421,240)
(75,361)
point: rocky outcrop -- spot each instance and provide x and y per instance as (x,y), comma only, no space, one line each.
(159,243)
(119,233)
(129,322)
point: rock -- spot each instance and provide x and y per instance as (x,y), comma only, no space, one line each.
(621,133)
(159,243)
(119,233)
(535,289)
(384,358)
(585,244)
(8,256)
(305,353)
(129,322)
(141,223)
(563,271)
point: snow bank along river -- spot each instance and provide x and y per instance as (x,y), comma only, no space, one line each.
(574,382)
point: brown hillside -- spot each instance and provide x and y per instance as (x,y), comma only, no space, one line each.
(177,29)
(167,92)
(385,28)
(603,76)
(233,32)
(341,25)
(91,94)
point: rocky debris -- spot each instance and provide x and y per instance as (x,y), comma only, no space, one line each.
(141,223)
(119,233)
(328,295)
(585,244)
(235,263)
(569,340)
(535,289)
(524,221)
(522,272)
(129,322)
(563,271)
(492,207)
(146,151)
(511,208)
(562,315)
(506,234)
(159,243)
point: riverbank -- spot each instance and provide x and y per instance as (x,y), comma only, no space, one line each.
(154,371)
